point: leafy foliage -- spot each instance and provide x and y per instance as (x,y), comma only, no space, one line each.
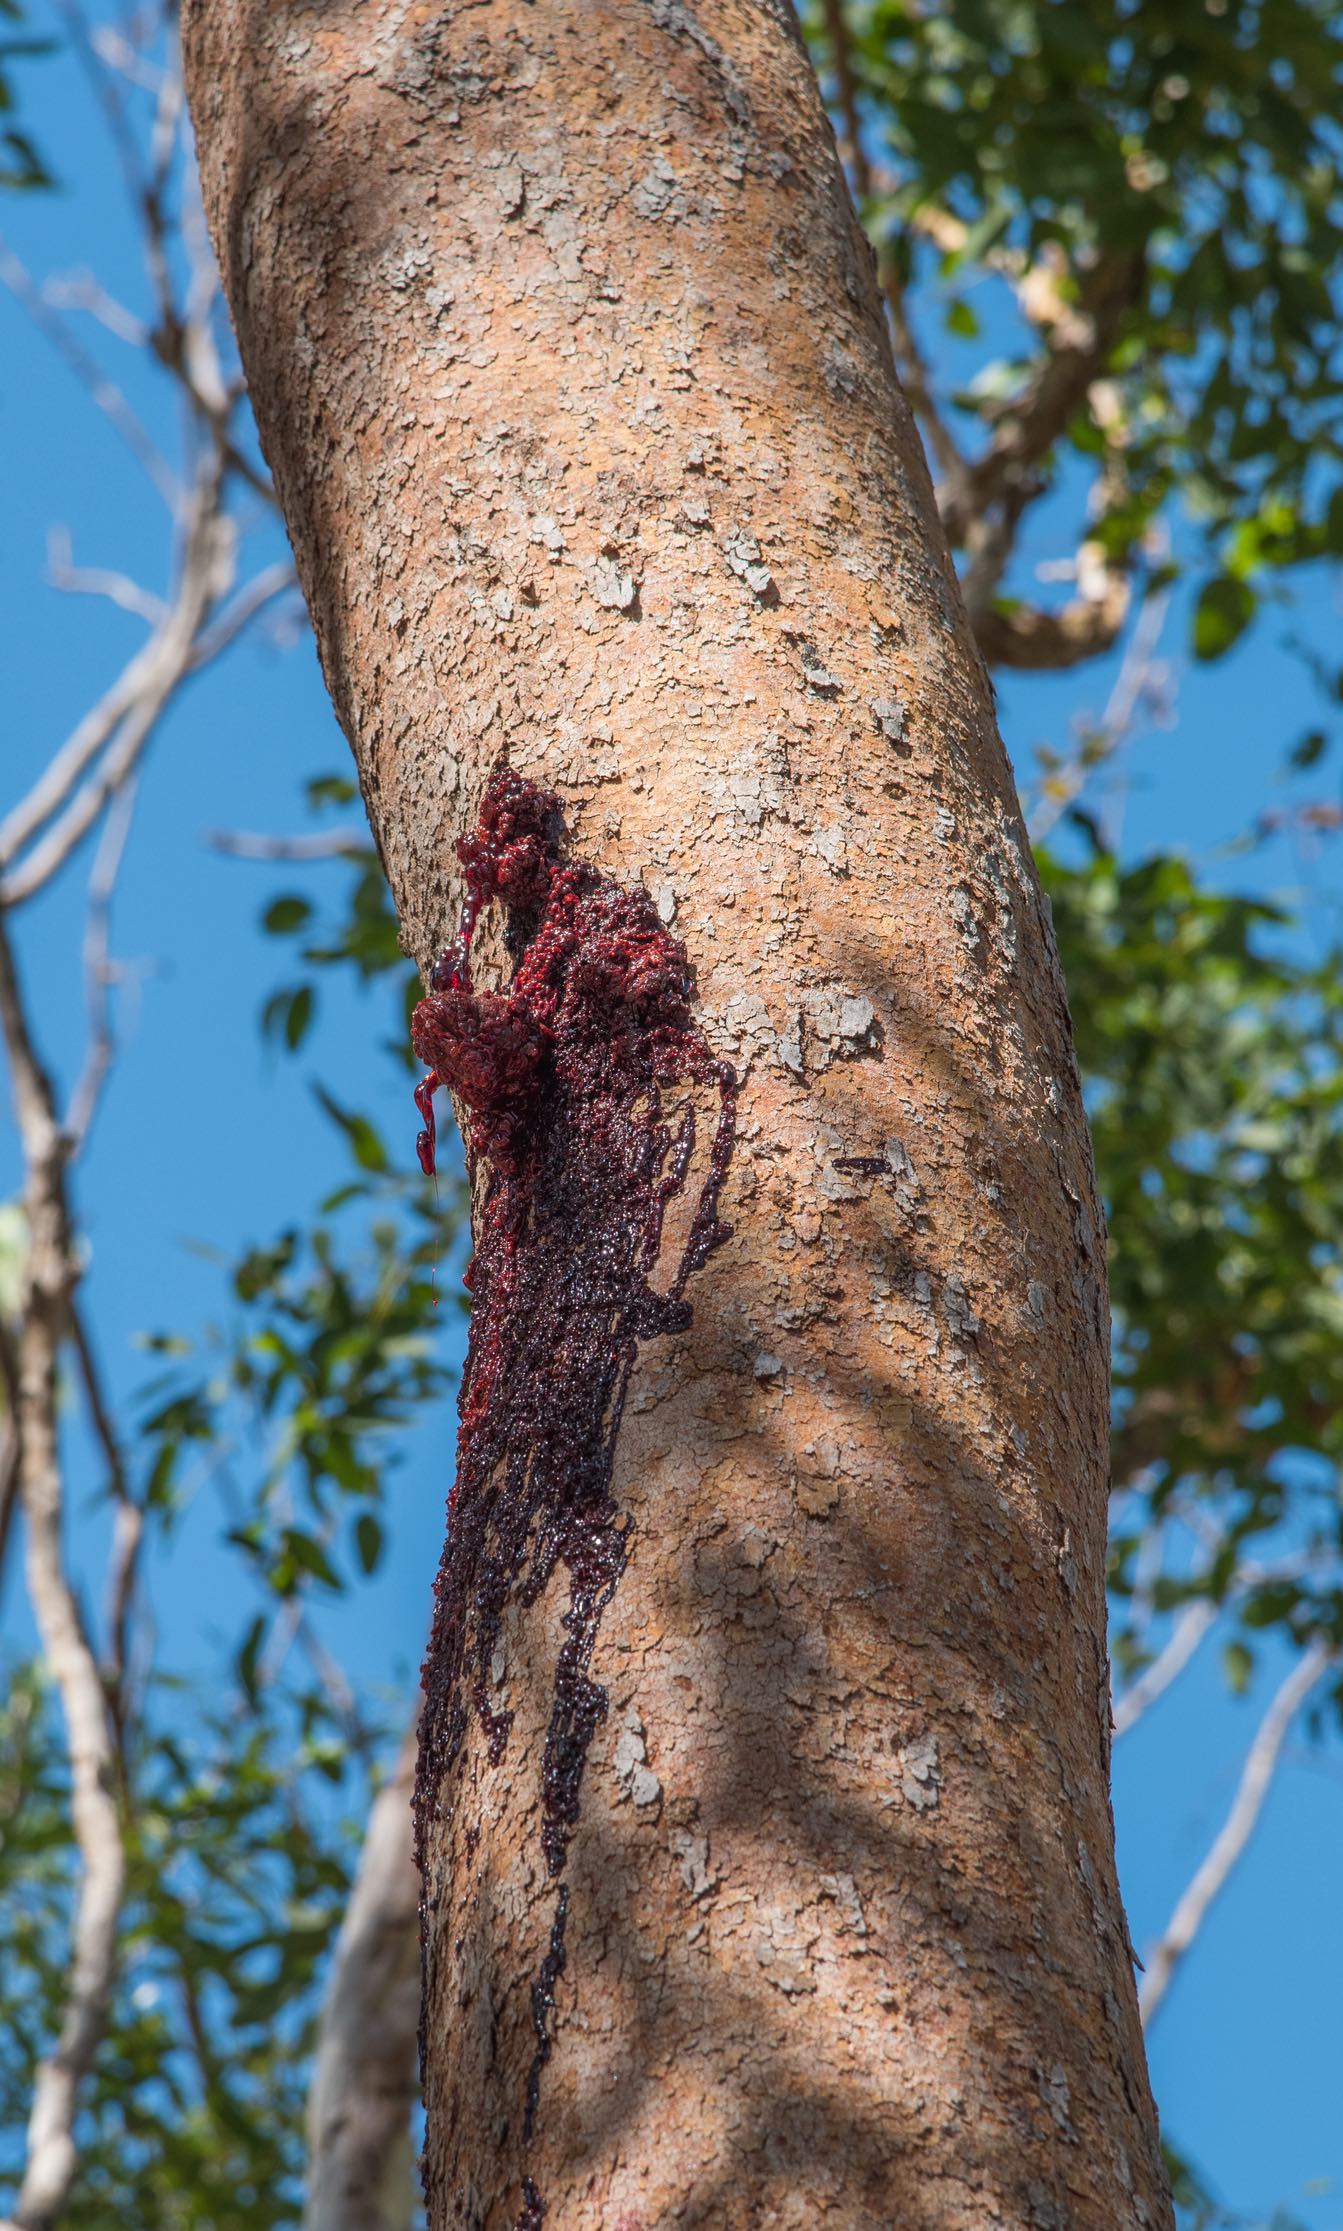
(245,1794)
(1213,1057)
(1199,2209)
(1178,157)
(238,1877)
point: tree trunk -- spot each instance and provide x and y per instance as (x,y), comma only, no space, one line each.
(360,2151)
(567,357)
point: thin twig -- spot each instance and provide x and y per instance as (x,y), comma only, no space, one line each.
(204,575)
(1132,686)
(109,98)
(120,723)
(118,588)
(80,290)
(841,58)
(916,380)
(1261,1761)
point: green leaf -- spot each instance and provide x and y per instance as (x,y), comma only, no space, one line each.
(286,914)
(298,1018)
(332,790)
(1310,750)
(1238,1666)
(368,1536)
(1270,1605)
(308,1554)
(961,320)
(288,1014)
(1224,610)
(248,1655)
(369,1151)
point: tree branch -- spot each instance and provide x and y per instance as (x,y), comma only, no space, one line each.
(1079,348)
(851,149)
(1024,636)
(272,582)
(1135,684)
(103,581)
(908,357)
(98,970)
(360,2158)
(132,709)
(9,1446)
(50,1274)
(1227,1847)
(321,844)
(128,1527)
(1153,1682)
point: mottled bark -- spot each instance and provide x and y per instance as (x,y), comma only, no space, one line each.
(567,357)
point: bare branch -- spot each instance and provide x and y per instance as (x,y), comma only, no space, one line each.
(98,969)
(122,721)
(118,588)
(1134,684)
(110,98)
(1261,1762)
(142,691)
(1153,1682)
(128,1527)
(9,1444)
(9,1489)
(50,1273)
(916,381)
(908,357)
(273,581)
(1024,636)
(81,748)
(851,148)
(360,2159)
(1079,349)
(322,844)
(80,290)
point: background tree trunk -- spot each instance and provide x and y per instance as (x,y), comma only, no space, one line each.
(567,357)
(360,2150)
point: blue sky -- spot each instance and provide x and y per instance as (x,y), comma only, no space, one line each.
(207,1141)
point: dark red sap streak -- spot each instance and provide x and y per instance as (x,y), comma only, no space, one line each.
(426,1140)
(563,1082)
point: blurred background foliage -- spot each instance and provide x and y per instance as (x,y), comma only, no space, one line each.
(20,163)
(1109,238)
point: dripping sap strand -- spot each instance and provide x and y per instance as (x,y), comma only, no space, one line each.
(560,1081)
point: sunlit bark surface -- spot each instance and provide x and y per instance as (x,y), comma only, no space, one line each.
(566,355)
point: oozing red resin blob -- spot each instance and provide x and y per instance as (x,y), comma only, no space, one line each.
(563,1084)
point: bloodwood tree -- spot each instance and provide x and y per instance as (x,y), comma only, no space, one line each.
(763,1804)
